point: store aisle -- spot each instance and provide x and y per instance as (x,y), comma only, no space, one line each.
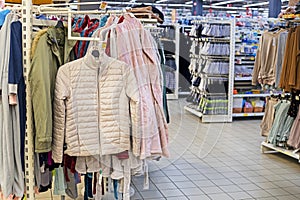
(217,161)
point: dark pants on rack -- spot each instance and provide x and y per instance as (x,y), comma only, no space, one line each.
(88,184)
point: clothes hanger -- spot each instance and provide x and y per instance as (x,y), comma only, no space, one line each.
(59,24)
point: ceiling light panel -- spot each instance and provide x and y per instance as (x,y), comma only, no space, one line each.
(226,2)
(161,1)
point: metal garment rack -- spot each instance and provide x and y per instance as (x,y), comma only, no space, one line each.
(27,23)
(270,148)
(228,117)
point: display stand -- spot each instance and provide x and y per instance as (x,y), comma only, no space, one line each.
(270,148)
(231,40)
(247,36)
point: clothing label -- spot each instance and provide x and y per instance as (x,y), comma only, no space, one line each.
(43,168)
(100,178)
(274,41)
(297,98)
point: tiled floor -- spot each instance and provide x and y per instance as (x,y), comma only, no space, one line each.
(217,161)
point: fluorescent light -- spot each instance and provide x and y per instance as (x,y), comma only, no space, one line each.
(224,7)
(160,1)
(232,11)
(189,2)
(226,2)
(256,4)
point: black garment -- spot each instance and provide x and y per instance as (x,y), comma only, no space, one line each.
(162,62)
(294,107)
(88,190)
(184,63)
(154,10)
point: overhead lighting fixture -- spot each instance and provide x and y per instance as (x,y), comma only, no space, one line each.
(189,2)
(226,2)
(256,4)
(161,1)
(224,7)
(232,11)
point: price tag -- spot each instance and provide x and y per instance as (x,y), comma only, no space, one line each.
(297,98)
(103,5)
(245,114)
(104,44)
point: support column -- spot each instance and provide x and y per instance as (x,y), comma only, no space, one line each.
(274,8)
(197,7)
(29,138)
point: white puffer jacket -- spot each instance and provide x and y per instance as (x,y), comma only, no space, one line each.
(95,108)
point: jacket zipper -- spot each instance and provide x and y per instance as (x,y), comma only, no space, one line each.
(98,107)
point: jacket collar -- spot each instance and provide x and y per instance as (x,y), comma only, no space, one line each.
(97,63)
(58,37)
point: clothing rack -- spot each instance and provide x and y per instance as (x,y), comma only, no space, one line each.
(27,22)
(271,148)
(68,12)
(231,58)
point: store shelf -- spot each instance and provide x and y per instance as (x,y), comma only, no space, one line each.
(209,118)
(167,40)
(270,148)
(172,96)
(246,63)
(210,39)
(251,95)
(225,116)
(243,78)
(193,111)
(248,114)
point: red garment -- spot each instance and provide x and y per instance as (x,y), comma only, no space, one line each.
(69,163)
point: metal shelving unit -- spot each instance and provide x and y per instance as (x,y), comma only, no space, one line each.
(192,108)
(259,114)
(176,42)
(245,59)
(251,95)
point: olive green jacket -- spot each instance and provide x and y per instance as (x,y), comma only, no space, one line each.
(50,50)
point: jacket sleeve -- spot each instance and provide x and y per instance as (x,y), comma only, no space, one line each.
(15,69)
(132,91)
(61,94)
(257,64)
